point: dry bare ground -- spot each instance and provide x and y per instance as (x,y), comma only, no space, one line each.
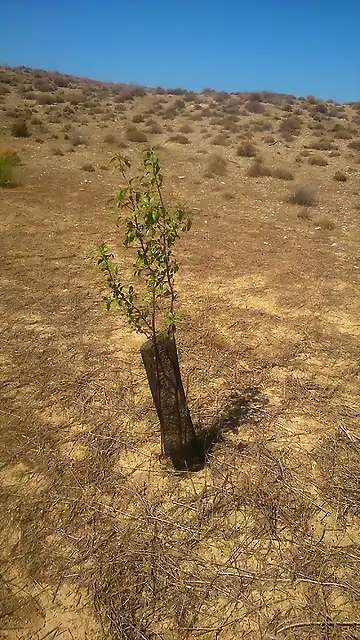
(100,537)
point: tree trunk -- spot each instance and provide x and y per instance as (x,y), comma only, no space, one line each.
(178,436)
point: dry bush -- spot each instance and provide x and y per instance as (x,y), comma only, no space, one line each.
(343,134)
(135,135)
(258,170)
(155,128)
(76,139)
(321,145)
(304,196)
(282,173)
(221,140)
(287,136)
(291,124)
(261,125)
(19,129)
(216,165)
(186,128)
(180,139)
(340,176)
(138,117)
(254,106)
(318,160)
(247,150)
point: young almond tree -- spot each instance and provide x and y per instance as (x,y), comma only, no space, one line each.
(150,228)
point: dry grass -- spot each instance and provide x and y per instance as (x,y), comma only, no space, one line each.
(216,165)
(318,160)
(100,537)
(258,169)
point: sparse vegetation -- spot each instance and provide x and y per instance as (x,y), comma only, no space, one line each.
(100,536)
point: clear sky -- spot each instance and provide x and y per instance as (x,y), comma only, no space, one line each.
(292,46)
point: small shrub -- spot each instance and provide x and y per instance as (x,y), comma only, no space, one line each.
(76,139)
(8,160)
(282,174)
(186,128)
(155,128)
(109,139)
(343,134)
(220,140)
(258,170)
(135,135)
(20,129)
(247,150)
(180,139)
(340,176)
(318,160)
(88,167)
(292,124)
(321,145)
(137,118)
(216,165)
(304,196)
(254,106)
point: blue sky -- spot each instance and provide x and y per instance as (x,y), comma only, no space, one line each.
(293,46)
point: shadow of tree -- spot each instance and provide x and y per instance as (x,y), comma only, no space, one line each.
(242,408)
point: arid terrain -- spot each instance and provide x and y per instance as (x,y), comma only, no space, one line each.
(100,538)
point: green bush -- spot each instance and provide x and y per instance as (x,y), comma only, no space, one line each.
(8,160)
